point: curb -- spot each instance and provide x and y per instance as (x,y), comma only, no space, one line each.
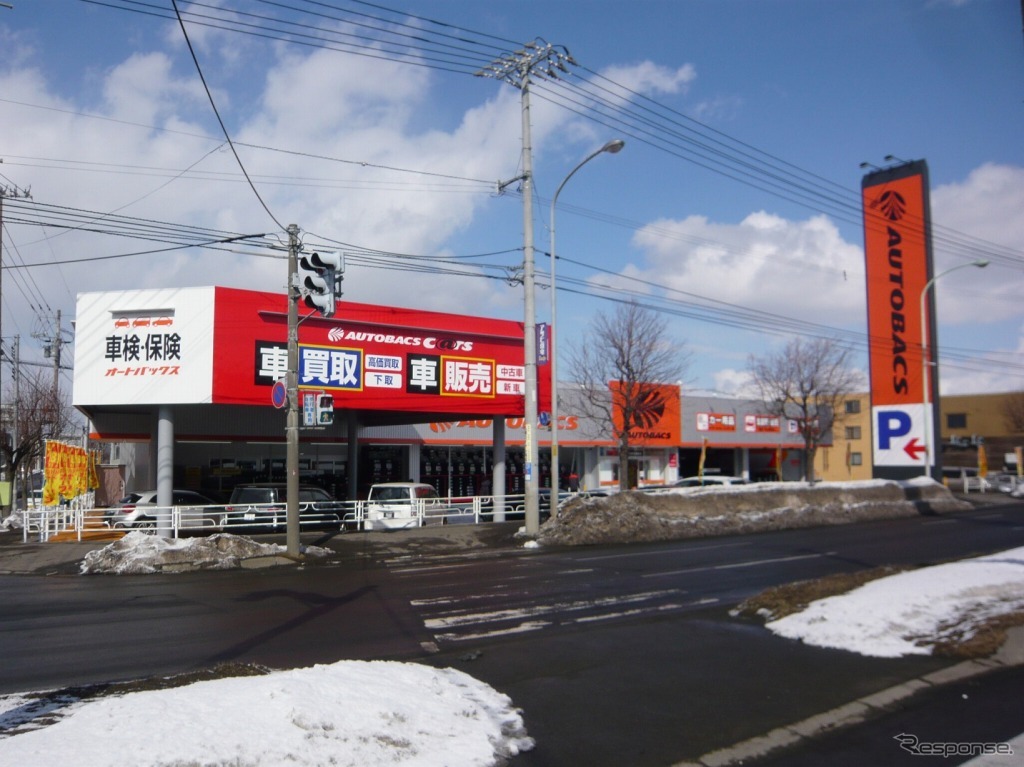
(1009,655)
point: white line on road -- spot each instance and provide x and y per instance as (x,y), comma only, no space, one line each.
(662,552)
(734,565)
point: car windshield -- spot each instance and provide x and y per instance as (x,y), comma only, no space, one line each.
(390,494)
(252,495)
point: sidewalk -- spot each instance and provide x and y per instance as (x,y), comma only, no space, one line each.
(64,557)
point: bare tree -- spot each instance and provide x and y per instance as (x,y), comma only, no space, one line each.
(39,412)
(1013,412)
(619,366)
(807,381)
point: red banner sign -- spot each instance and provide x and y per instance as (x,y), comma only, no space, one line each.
(370,357)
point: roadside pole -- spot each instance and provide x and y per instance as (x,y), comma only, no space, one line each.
(292,382)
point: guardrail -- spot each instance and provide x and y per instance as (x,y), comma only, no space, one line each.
(272,517)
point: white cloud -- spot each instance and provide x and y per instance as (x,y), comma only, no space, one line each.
(368,112)
(987,205)
(795,268)
(989,374)
(735,383)
(651,79)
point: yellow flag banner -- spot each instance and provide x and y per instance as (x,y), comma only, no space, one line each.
(67,469)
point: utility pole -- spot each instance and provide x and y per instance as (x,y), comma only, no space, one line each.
(5,192)
(55,351)
(535,59)
(292,384)
(16,418)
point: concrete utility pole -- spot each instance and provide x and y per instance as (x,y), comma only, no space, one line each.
(292,384)
(535,59)
(5,192)
(55,351)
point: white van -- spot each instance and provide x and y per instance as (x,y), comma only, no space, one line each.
(398,505)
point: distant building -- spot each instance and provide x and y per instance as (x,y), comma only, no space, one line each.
(968,421)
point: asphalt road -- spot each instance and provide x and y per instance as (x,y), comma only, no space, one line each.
(622,655)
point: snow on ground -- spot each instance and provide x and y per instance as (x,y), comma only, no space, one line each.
(139,553)
(389,713)
(908,613)
(352,713)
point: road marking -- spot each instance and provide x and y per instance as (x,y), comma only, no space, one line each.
(463,618)
(520,629)
(736,565)
(662,552)
(641,611)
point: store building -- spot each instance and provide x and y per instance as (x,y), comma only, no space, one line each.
(184,378)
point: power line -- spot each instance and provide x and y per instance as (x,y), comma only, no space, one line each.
(220,121)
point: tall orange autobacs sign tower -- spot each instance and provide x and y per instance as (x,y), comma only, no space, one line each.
(898,256)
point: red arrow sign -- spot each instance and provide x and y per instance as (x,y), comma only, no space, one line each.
(913,449)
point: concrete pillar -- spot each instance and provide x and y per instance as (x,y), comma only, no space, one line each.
(498,468)
(164,470)
(352,422)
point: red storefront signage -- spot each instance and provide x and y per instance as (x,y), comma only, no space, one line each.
(370,357)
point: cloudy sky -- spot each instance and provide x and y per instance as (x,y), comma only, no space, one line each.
(734,206)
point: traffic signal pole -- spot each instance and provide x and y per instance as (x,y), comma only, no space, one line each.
(292,384)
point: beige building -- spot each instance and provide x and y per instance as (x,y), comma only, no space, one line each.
(967,421)
(849,457)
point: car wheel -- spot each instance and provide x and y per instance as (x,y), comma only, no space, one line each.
(146,526)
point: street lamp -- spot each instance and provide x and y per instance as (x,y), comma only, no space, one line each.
(981,264)
(612,147)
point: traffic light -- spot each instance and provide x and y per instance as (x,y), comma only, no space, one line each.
(324,410)
(319,279)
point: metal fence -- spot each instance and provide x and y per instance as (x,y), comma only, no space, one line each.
(77,520)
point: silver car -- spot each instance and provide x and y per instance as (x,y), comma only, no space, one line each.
(138,511)
(710,480)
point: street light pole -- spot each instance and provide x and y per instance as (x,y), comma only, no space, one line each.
(925,383)
(612,147)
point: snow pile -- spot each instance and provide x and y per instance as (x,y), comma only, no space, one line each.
(737,509)
(911,612)
(351,713)
(139,553)
(13,522)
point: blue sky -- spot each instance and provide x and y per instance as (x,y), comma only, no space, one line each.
(102,110)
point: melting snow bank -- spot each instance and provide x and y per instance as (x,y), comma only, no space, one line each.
(670,514)
(139,553)
(912,612)
(349,713)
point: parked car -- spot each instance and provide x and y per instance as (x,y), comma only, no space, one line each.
(138,511)
(710,480)
(1005,482)
(264,506)
(398,505)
